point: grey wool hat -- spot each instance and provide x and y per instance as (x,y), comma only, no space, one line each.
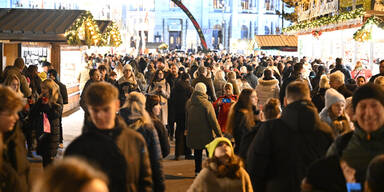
(332,96)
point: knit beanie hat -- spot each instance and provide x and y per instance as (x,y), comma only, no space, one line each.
(368,91)
(200,87)
(326,175)
(211,147)
(332,96)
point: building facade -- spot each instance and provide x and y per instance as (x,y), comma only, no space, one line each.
(225,23)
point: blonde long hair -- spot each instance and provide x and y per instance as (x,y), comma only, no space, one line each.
(53,90)
(135,103)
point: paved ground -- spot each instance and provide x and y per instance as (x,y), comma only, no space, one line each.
(179,174)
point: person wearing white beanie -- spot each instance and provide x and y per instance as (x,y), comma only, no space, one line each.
(334,114)
(200,87)
(201,123)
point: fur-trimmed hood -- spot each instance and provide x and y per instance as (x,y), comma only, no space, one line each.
(268,82)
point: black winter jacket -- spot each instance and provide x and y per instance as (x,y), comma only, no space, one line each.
(121,153)
(284,148)
(47,142)
(180,94)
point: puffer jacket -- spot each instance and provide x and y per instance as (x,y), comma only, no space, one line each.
(119,152)
(284,148)
(267,89)
(152,139)
(200,121)
(47,142)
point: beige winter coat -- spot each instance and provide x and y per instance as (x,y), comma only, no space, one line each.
(207,181)
(267,89)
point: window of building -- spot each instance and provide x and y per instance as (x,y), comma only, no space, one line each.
(244,32)
(245,4)
(266,30)
(269,5)
(218,4)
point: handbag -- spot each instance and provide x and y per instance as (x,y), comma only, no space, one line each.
(46,124)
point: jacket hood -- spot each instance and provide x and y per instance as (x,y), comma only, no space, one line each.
(300,116)
(268,82)
(198,98)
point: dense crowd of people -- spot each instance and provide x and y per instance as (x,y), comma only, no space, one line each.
(265,123)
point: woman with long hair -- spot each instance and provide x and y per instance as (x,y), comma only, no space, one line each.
(232,79)
(35,81)
(241,116)
(46,113)
(13,82)
(223,171)
(137,118)
(160,87)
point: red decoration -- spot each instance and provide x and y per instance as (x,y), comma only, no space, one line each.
(316,34)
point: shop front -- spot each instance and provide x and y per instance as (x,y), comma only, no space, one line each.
(56,36)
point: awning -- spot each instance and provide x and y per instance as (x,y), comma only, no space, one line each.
(103,25)
(36,25)
(276,41)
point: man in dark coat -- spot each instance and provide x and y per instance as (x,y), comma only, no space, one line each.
(340,67)
(295,75)
(381,69)
(283,149)
(250,77)
(201,77)
(171,78)
(359,147)
(119,151)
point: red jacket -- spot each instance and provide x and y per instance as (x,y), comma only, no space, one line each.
(223,109)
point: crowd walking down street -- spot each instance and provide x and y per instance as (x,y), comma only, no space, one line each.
(207,121)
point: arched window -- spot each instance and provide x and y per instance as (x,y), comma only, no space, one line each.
(244,32)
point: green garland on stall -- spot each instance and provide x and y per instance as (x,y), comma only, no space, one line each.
(323,21)
(112,36)
(84,26)
(365,32)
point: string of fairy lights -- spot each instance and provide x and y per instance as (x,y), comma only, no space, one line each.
(363,34)
(85,31)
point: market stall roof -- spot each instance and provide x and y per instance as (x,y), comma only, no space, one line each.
(276,41)
(38,25)
(103,24)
